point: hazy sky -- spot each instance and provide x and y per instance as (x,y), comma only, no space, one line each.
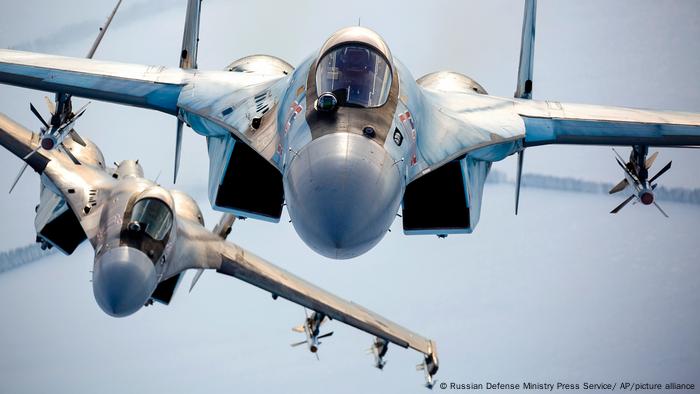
(562,291)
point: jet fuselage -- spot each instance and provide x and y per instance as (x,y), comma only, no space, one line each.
(345,165)
(341,129)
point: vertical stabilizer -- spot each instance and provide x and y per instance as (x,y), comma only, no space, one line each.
(102,32)
(188,61)
(527,51)
(190,36)
(524,88)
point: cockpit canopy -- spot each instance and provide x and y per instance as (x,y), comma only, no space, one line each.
(356,74)
(153,216)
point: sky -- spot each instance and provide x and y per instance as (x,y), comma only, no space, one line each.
(562,291)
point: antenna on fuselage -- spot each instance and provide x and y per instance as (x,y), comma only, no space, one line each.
(188,61)
(524,88)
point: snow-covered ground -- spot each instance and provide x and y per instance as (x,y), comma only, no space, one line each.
(562,292)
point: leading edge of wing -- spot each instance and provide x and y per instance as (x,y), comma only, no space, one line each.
(20,142)
(250,268)
(456,123)
(152,87)
(550,122)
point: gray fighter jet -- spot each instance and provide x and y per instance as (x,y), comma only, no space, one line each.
(349,135)
(145,237)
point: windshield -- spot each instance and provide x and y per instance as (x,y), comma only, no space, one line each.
(153,216)
(356,75)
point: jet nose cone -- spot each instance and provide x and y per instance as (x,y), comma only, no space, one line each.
(123,279)
(343,191)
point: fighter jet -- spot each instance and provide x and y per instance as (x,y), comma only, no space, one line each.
(349,136)
(145,237)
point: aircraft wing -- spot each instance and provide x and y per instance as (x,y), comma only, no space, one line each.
(142,86)
(551,122)
(490,128)
(81,186)
(250,268)
(454,123)
(216,103)
(230,259)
